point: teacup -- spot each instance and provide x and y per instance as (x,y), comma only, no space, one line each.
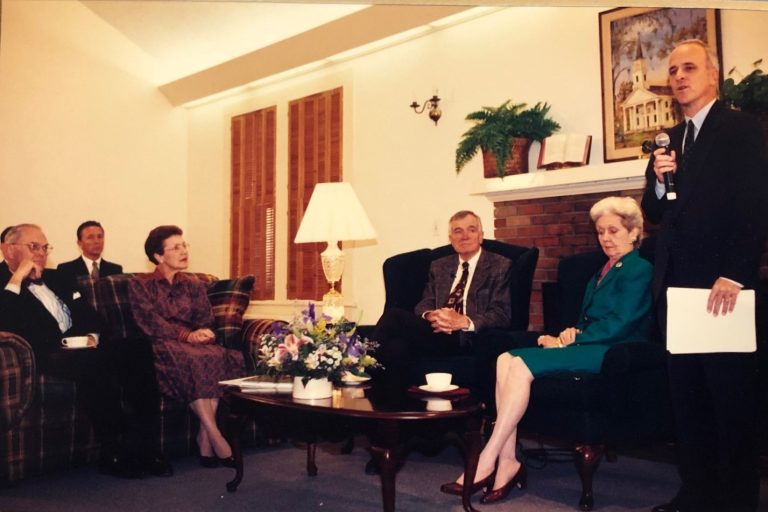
(439,381)
(75,341)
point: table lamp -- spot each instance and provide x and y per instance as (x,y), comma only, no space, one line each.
(334,214)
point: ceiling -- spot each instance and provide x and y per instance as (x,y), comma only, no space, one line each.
(204,47)
(189,36)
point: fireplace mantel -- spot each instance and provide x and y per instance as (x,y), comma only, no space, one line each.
(627,175)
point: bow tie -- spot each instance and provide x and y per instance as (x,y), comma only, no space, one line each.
(38,281)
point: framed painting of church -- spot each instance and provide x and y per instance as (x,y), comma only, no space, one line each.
(634,45)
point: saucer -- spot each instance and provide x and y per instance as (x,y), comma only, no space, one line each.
(75,348)
(351,379)
(430,389)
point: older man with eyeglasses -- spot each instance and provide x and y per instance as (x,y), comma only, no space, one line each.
(44,306)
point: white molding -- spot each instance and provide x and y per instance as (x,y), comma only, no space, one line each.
(627,175)
(288,309)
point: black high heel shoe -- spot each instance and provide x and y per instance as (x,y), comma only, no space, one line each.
(520,480)
(228,462)
(458,489)
(209,462)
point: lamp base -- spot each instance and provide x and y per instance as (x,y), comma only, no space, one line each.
(333,305)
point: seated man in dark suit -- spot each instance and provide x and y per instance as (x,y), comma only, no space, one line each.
(90,239)
(43,306)
(466,294)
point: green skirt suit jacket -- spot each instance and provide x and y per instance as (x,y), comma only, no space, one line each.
(614,310)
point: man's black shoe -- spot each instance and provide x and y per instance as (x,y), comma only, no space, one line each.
(120,467)
(158,466)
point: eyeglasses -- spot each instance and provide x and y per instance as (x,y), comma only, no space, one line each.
(178,247)
(35,247)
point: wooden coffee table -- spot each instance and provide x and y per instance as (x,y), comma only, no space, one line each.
(387,419)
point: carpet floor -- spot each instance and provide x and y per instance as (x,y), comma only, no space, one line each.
(275,481)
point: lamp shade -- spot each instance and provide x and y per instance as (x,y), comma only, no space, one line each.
(334,213)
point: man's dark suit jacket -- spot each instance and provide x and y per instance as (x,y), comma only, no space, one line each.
(717,225)
(77,267)
(488,301)
(26,316)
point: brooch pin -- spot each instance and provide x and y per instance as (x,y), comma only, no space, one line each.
(619,264)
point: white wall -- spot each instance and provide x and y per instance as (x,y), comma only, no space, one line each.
(83,135)
(400,164)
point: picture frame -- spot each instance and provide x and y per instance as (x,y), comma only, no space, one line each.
(634,45)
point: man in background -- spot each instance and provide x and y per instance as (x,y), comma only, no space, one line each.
(90,239)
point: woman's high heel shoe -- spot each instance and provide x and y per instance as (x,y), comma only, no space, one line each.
(228,462)
(209,462)
(458,489)
(520,480)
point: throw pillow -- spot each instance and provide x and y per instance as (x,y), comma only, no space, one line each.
(229,299)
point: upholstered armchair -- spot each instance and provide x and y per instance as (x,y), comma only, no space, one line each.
(625,404)
(405,276)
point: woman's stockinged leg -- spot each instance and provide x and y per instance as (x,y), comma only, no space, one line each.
(513,389)
(205,409)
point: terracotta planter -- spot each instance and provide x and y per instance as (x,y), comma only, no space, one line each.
(517,162)
(315,388)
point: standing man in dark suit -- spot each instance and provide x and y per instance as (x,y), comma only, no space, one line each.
(90,239)
(44,306)
(710,237)
(466,293)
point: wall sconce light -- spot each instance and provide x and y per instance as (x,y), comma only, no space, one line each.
(434,111)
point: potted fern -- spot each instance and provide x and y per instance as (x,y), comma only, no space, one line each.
(504,134)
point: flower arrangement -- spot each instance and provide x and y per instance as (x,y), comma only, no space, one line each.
(314,348)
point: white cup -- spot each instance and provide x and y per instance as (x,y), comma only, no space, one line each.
(439,381)
(438,404)
(75,341)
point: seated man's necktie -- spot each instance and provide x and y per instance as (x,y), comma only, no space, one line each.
(455,300)
(95,270)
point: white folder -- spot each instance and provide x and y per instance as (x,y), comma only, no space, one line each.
(692,330)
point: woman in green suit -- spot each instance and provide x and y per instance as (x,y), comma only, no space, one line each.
(616,308)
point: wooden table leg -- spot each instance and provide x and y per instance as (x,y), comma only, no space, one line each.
(311,450)
(234,432)
(384,446)
(387,462)
(473,442)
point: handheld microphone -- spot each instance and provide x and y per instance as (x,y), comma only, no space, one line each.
(662,141)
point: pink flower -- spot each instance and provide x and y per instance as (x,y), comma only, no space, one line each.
(289,348)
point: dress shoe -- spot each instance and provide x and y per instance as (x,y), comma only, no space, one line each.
(209,462)
(228,462)
(458,489)
(520,480)
(667,507)
(120,467)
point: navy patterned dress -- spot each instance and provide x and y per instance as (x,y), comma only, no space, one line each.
(166,313)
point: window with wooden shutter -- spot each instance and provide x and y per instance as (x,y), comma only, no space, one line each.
(253,200)
(314,156)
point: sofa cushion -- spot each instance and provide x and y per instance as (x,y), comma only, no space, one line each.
(230,299)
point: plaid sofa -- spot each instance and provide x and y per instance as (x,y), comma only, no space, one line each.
(42,428)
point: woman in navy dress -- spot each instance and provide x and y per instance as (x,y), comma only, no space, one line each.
(173,311)
(616,308)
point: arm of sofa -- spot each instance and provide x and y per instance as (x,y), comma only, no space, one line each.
(17,379)
(253,329)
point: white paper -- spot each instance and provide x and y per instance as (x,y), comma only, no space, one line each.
(254,384)
(693,330)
